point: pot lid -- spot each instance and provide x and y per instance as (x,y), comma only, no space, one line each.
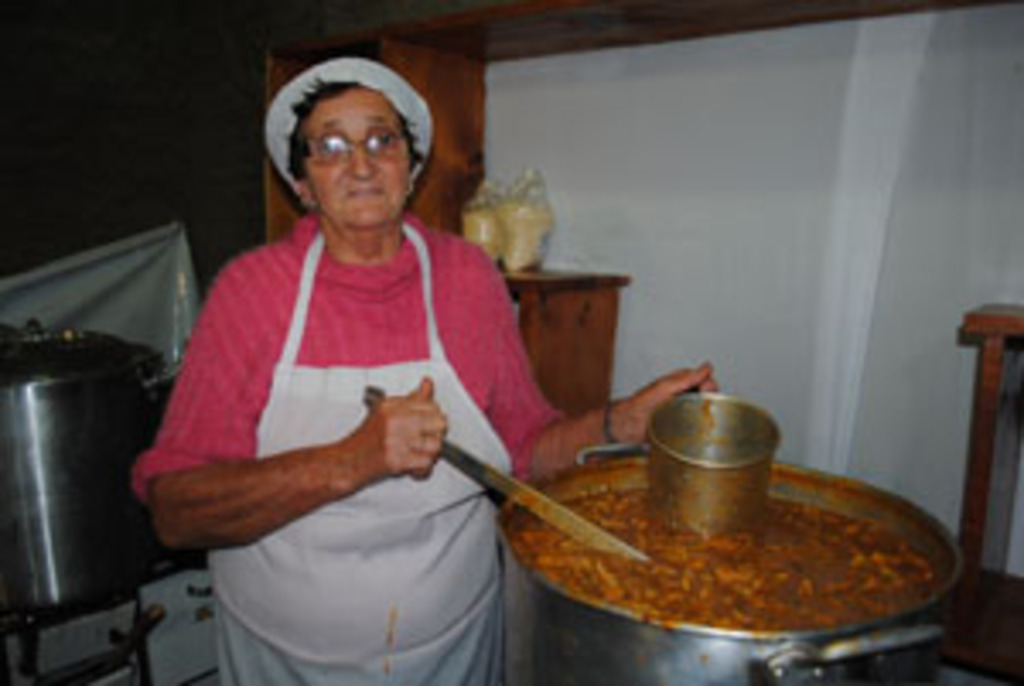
(35,353)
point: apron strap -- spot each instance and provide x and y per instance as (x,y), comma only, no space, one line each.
(309,266)
(298,324)
(433,338)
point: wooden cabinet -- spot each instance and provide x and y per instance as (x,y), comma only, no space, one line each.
(987,617)
(568,322)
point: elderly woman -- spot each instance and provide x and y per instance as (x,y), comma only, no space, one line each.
(342,551)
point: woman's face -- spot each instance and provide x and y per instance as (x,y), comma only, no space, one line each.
(357,173)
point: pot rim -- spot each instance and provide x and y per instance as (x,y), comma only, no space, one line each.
(737,462)
(146,363)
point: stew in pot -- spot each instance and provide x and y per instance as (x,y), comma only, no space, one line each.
(812,568)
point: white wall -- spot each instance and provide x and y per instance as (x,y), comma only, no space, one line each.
(731,178)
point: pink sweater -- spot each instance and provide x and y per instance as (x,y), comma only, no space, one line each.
(358,316)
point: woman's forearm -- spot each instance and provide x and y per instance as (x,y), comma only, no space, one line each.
(621,421)
(238,502)
(557,446)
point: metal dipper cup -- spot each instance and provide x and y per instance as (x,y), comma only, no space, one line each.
(710,463)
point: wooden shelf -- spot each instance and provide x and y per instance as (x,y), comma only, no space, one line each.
(553,280)
(987,617)
(537,28)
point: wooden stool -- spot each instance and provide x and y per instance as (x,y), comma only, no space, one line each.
(987,619)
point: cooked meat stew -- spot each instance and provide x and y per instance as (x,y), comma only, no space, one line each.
(813,568)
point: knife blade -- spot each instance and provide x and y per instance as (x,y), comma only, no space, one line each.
(551,511)
(529,498)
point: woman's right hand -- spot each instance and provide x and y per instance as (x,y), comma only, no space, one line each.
(225,503)
(402,435)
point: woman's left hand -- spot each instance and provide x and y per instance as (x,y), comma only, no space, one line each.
(628,417)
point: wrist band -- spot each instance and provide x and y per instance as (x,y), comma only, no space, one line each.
(607,425)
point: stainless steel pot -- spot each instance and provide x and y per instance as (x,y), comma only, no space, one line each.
(557,639)
(75,410)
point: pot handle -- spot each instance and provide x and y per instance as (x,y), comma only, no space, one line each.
(804,654)
(612,450)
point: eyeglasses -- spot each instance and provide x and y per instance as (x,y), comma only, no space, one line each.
(334,147)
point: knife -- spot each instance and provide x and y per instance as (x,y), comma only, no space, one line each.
(549,510)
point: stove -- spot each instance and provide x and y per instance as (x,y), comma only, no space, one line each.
(78,649)
(163,636)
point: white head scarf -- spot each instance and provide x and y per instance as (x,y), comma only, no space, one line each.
(281,118)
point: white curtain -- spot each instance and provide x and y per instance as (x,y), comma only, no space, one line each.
(881,98)
(927,222)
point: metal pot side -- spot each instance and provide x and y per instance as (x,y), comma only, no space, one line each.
(73,531)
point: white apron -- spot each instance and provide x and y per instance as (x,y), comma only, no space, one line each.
(397,583)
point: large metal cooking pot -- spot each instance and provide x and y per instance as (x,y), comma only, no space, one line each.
(558,640)
(75,410)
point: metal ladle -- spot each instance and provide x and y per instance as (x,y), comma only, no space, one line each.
(710,463)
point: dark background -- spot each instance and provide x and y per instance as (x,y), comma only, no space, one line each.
(120,116)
